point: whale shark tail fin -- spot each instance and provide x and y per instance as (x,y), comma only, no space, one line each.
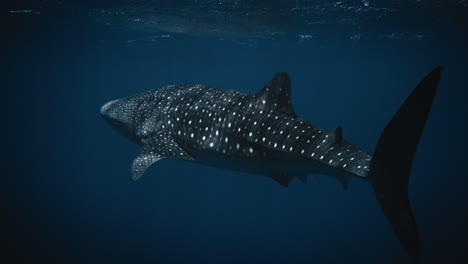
(391,164)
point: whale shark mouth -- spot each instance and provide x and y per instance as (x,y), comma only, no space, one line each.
(106,106)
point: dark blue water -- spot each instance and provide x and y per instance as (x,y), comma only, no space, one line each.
(66,187)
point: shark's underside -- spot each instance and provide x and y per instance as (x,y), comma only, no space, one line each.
(261,134)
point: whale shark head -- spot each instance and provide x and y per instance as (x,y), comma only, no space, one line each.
(120,113)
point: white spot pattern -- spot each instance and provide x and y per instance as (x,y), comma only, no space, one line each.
(198,118)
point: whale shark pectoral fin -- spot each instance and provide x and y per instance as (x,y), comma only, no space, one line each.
(142,162)
(277,93)
(158,147)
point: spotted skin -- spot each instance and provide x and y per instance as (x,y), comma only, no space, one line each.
(257,133)
(261,134)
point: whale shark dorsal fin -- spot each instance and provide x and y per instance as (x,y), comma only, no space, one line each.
(159,146)
(277,93)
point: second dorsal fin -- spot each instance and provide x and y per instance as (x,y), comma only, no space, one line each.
(277,94)
(339,135)
(336,134)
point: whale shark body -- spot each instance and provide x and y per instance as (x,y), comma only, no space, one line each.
(261,134)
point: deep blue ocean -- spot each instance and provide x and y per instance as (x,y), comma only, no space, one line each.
(67,195)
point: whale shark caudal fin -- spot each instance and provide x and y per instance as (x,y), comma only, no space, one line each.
(157,147)
(391,163)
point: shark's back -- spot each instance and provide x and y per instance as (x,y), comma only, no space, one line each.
(260,126)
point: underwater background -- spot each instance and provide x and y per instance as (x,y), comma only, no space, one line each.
(67,195)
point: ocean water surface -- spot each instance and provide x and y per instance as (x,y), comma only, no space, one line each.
(67,192)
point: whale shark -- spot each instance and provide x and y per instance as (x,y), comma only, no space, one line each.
(261,134)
